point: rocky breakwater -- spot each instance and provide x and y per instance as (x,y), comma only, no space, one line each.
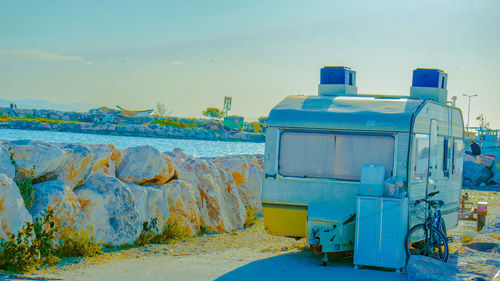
(170,127)
(111,192)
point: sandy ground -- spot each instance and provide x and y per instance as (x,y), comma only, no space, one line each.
(474,263)
(251,254)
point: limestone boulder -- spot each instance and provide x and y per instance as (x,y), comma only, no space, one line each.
(474,174)
(13,213)
(218,200)
(183,205)
(232,203)
(35,158)
(151,203)
(109,206)
(246,171)
(251,190)
(59,197)
(77,165)
(145,165)
(6,166)
(105,158)
(422,268)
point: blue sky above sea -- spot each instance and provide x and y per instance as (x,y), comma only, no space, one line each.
(190,54)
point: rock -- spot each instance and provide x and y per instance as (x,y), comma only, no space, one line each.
(84,160)
(151,204)
(246,171)
(35,158)
(496,170)
(6,166)
(109,207)
(217,198)
(145,165)
(475,174)
(183,206)
(77,166)
(59,197)
(13,213)
(485,160)
(251,190)
(422,268)
(105,157)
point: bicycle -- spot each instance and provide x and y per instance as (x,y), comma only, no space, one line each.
(429,238)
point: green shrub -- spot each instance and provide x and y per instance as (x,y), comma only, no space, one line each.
(170,232)
(204,229)
(27,190)
(25,184)
(81,244)
(31,247)
(174,123)
(251,218)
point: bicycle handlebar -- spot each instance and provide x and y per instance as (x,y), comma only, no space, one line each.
(432,194)
(426,197)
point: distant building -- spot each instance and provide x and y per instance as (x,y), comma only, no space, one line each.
(103,114)
(234,122)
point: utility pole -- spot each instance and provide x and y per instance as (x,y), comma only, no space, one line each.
(468,110)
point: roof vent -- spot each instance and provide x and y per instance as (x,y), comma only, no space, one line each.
(429,84)
(337,81)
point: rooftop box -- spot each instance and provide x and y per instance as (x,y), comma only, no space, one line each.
(429,84)
(337,81)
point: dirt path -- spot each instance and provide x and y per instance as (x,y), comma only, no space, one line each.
(249,254)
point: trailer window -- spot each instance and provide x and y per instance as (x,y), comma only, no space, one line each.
(458,157)
(446,157)
(420,156)
(338,156)
(307,155)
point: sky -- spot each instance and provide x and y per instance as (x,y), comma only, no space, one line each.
(190,54)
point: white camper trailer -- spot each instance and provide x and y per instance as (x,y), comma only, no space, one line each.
(317,147)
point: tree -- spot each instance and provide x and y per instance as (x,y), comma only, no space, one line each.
(213,112)
(162,110)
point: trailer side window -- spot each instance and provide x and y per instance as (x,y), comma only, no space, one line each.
(446,157)
(338,156)
(353,151)
(420,156)
(307,155)
(458,157)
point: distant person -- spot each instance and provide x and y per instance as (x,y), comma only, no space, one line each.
(474,147)
(11,105)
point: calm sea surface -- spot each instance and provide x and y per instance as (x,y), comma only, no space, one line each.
(192,147)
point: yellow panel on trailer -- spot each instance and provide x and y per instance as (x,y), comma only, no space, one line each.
(285,219)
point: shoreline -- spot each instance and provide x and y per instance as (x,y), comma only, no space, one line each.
(127,134)
(154,127)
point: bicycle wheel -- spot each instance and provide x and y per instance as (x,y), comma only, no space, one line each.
(443,226)
(427,242)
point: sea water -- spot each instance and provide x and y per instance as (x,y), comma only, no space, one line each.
(199,148)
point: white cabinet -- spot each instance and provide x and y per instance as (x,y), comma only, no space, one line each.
(381,226)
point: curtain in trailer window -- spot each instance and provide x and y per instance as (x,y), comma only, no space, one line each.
(307,155)
(339,156)
(353,151)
